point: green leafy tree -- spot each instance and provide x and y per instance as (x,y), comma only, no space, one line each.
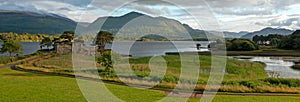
(12,47)
(46,42)
(241,45)
(275,41)
(107,59)
(69,35)
(103,38)
(291,42)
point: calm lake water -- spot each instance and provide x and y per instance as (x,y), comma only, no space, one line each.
(28,48)
(136,49)
(139,49)
(277,66)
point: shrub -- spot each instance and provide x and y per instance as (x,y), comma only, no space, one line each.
(170,78)
(241,45)
(107,59)
(280,81)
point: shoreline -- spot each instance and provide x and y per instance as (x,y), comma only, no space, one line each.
(287,53)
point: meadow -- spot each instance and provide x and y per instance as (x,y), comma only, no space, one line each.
(19,86)
(240,77)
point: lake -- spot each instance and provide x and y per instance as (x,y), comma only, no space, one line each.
(140,49)
(28,48)
(136,49)
(276,66)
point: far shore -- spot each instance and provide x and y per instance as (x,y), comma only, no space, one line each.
(276,53)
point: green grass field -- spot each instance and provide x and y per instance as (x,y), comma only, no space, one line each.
(241,77)
(19,86)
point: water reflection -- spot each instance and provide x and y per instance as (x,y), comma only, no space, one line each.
(276,66)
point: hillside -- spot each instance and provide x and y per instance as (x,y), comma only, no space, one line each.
(135,25)
(267,31)
(35,23)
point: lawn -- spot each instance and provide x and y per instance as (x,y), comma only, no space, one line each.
(19,86)
(241,76)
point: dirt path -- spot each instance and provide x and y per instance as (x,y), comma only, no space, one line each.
(13,64)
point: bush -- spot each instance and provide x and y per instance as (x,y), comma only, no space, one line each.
(280,81)
(248,84)
(170,78)
(241,45)
(4,59)
(107,59)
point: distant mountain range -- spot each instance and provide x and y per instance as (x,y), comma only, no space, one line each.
(34,23)
(268,31)
(133,24)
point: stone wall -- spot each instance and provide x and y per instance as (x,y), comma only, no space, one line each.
(63,49)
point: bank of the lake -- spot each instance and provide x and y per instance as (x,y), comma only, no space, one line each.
(276,67)
(278,53)
(28,48)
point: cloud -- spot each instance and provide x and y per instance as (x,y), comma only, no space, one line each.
(232,14)
(283,21)
(66,8)
(251,7)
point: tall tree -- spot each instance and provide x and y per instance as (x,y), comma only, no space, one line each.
(12,47)
(103,37)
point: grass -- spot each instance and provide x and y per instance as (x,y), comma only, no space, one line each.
(4,59)
(241,76)
(56,63)
(22,86)
(261,52)
(19,86)
(237,70)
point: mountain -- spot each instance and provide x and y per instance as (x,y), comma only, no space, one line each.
(268,31)
(136,25)
(34,23)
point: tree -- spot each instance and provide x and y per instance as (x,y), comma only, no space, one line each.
(275,41)
(107,59)
(12,47)
(103,38)
(241,45)
(69,35)
(291,42)
(46,42)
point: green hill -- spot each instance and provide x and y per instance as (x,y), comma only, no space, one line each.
(137,25)
(34,23)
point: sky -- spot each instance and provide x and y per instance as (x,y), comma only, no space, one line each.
(223,15)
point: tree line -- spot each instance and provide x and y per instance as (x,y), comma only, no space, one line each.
(270,40)
(11,41)
(25,37)
(290,42)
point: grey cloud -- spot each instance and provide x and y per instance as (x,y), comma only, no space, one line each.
(250,7)
(223,7)
(290,22)
(65,9)
(148,10)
